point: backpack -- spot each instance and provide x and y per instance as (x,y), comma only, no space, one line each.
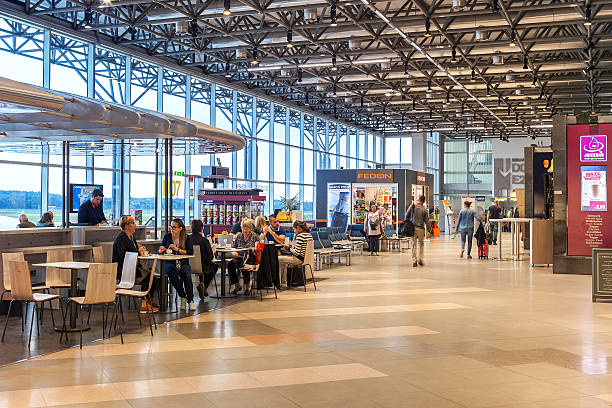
(374,223)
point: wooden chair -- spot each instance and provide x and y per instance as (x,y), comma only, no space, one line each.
(308,261)
(6,276)
(56,278)
(21,290)
(98,254)
(100,290)
(143,294)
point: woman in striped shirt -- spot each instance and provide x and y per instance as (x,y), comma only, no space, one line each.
(298,250)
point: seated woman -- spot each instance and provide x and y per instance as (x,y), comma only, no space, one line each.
(260,223)
(125,242)
(245,239)
(209,269)
(298,250)
(179,272)
(46,220)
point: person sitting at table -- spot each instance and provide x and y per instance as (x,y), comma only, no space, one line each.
(275,232)
(46,220)
(237,227)
(24,222)
(179,271)
(245,239)
(125,242)
(91,212)
(260,224)
(209,268)
(298,249)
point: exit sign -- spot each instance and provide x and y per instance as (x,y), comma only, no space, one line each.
(179,173)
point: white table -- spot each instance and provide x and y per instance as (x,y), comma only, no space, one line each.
(514,234)
(74,267)
(163,301)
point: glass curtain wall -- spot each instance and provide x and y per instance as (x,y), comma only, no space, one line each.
(433,160)
(468,168)
(283,150)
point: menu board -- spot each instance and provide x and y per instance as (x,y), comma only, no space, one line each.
(593,188)
(602,274)
(588,219)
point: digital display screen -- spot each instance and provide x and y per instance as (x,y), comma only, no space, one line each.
(593,188)
(79,193)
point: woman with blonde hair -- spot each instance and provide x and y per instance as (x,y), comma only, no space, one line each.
(260,223)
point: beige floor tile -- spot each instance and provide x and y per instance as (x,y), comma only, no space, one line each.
(81,394)
(304,375)
(22,399)
(154,388)
(252,398)
(587,384)
(354,310)
(584,402)
(543,371)
(386,332)
(493,375)
(223,382)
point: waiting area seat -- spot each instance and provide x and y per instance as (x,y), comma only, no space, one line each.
(325,250)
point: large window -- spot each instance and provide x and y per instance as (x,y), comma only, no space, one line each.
(68,65)
(283,149)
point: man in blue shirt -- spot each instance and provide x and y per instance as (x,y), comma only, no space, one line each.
(90,212)
(274,232)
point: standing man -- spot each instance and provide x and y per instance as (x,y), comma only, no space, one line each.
(495,213)
(419,216)
(91,212)
(275,232)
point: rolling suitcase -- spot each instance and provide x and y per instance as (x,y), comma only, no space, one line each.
(483,250)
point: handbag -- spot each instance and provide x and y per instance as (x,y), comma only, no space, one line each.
(406,229)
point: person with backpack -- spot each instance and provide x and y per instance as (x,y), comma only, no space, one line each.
(373,226)
(419,216)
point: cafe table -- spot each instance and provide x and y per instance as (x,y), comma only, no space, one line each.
(74,268)
(223,256)
(163,301)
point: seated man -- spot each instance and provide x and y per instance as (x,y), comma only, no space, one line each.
(24,222)
(91,212)
(275,232)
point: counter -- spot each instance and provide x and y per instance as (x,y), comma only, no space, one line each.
(92,235)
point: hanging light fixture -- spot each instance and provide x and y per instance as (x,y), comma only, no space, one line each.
(332,14)
(525,62)
(306,99)
(429,85)
(289,38)
(255,60)
(512,39)
(587,17)
(334,68)
(299,74)
(228,74)
(427,27)
(454,55)
(226,8)
(88,20)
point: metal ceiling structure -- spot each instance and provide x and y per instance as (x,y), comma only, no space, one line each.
(493,68)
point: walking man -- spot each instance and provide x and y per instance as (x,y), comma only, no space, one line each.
(419,216)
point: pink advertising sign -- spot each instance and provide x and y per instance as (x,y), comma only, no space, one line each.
(593,148)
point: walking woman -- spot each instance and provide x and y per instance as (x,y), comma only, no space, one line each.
(465,226)
(179,272)
(373,226)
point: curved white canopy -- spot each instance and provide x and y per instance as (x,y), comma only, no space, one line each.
(29,113)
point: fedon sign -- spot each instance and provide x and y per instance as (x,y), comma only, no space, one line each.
(593,148)
(374,176)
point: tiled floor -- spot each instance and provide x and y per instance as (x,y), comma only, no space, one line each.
(380,333)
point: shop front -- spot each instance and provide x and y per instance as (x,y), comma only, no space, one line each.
(581,191)
(345,196)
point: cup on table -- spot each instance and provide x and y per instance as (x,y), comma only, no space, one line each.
(168,251)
